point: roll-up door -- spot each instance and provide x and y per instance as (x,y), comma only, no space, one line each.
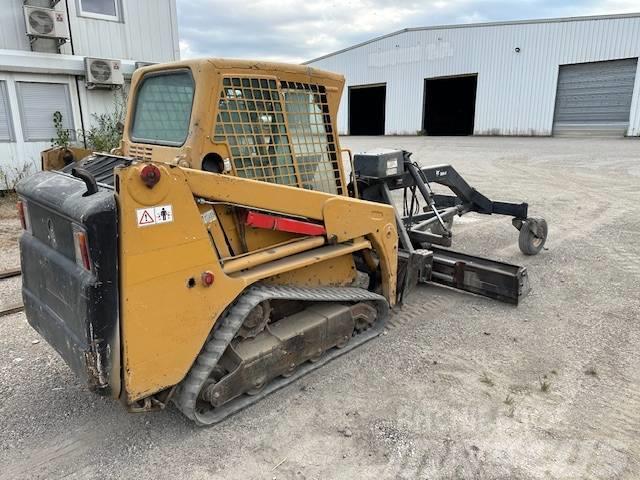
(594,98)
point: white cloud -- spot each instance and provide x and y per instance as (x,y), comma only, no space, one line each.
(298,30)
(185,49)
(608,7)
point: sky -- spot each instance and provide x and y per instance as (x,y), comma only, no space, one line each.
(295,31)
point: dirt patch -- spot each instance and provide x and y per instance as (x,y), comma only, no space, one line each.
(10,230)
(8,205)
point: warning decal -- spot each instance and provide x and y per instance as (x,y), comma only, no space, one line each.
(154,215)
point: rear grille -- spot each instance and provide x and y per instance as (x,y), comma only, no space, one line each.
(141,152)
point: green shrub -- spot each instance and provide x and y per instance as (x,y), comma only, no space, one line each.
(63,135)
(105,131)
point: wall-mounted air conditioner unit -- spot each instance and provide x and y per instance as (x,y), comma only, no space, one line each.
(45,22)
(103,73)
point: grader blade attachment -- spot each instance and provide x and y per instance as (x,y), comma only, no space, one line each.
(482,276)
(426,221)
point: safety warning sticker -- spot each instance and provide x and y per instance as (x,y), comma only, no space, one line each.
(154,215)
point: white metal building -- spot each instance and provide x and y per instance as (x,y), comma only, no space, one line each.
(540,77)
(42,65)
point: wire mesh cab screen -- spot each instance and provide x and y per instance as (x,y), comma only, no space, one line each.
(279,132)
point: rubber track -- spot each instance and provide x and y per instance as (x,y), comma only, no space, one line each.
(189,389)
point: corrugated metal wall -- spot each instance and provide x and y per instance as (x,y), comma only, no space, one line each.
(516,90)
(147,32)
(12,31)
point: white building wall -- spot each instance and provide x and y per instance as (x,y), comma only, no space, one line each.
(12,28)
(147,31)
(515,92)
(634,120)
(20,154)
(21,157)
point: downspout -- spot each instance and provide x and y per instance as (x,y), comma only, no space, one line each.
(76,77)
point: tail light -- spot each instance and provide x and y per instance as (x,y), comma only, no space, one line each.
(207,278)
(150,175)
(23,214)
(82,247)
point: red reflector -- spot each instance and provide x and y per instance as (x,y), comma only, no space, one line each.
(150,175)
(207,278)
(283,224)
(21,215)
(82,248)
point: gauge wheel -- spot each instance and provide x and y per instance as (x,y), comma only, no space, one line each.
(531,243)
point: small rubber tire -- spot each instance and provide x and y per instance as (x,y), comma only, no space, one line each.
(529,243)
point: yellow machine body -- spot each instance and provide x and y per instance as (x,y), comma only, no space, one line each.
(168,308)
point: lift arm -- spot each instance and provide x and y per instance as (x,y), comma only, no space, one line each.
(465,195)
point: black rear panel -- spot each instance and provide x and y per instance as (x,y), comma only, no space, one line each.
(74,309)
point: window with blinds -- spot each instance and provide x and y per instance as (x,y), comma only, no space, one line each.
(38,102)
(6,131)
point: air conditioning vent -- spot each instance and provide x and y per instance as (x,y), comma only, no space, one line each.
(45,22)
(141,152)
(103,73)
(100,71)
(41,22)
(144,64)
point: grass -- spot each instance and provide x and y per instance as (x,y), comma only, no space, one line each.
(9,176)
(8,201)
(510,402)
(544,384)
(591,371)
(486,379)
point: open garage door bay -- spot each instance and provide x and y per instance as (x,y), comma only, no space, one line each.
(594,98)
(449,105)
(367,104)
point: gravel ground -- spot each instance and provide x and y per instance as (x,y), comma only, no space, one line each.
(9,232)
(460,387)
(9,255)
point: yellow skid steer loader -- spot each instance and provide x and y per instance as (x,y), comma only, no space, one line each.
(222,252)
